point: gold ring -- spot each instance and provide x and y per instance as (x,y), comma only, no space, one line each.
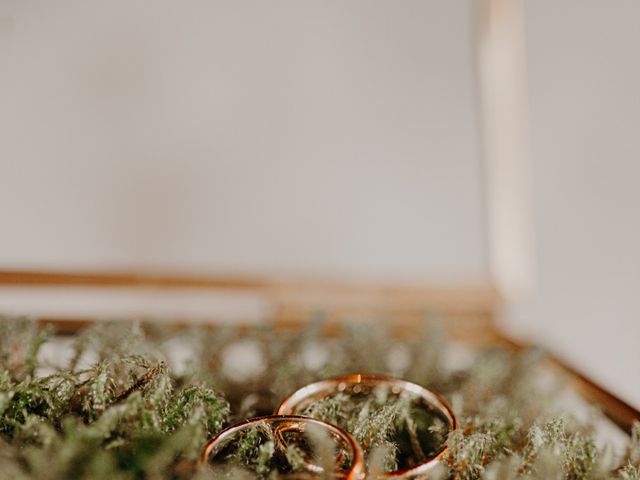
(359,385)
(283,424)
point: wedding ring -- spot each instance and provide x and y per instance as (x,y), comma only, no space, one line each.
(363,385)
(349,463)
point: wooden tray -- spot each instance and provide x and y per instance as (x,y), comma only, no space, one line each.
(70,301)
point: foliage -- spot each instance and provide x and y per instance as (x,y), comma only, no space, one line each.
(128,401)
(125,416)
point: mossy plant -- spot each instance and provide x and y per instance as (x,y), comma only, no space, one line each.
(125,401)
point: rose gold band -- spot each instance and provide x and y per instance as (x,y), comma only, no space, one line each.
(282,423)
(297,402)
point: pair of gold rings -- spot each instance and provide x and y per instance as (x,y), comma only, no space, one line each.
(294,417)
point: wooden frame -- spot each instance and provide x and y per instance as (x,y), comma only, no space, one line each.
(469,311)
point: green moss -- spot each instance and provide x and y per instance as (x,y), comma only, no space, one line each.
(118,410)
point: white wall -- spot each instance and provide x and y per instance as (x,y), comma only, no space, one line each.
(584,78)
(325,137)
(321,137)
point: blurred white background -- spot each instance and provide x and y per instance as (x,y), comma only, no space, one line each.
(313,137)
(451,142)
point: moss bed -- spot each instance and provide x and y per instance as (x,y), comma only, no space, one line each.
(122,400)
